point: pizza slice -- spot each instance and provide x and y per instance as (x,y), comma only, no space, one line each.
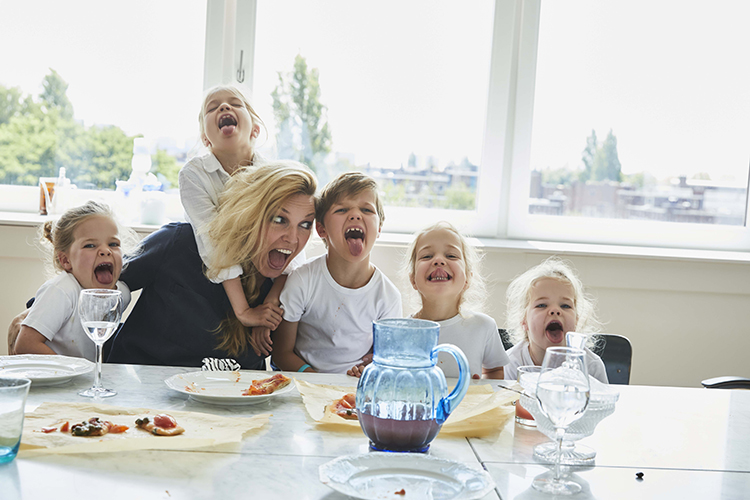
(162,425)
(345,407)
(267,386)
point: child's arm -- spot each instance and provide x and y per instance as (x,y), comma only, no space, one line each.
(30,341)
(358,370)
(260,337)
(494,373)
(266,314)
(14,329)
(284,356)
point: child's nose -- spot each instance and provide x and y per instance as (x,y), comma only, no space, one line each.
(104,251)
(224,107)
(355,215)
(555,311)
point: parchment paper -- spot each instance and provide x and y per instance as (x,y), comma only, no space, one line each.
(481,412)
(201,430)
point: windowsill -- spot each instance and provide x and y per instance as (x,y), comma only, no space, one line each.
(491,245)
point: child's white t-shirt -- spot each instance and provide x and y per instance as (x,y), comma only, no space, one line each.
(519,356)
(54,314)
(202,181)
(334,326)
(476,335)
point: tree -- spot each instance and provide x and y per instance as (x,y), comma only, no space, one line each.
(588,156)
(164,164)
(39,137)
(54,96)
(601,162)
(302,129)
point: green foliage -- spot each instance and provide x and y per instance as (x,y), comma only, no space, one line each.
(459,197)
(558,176)
(601,162)
(37,137)
(165,164)
(302,130)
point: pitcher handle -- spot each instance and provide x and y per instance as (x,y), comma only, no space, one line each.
(451,401)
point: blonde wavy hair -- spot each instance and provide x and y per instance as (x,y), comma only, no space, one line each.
(518,298)
(475,293)
(251,198)
(57,236)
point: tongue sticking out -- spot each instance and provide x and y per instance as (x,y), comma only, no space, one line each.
(104,275)
(227,129)
(555,332)
(356,245)
(277,259)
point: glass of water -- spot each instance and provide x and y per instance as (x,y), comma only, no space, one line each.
(13,392)
(100,311)
(563,393)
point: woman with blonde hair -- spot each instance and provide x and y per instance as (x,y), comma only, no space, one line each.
(264,220)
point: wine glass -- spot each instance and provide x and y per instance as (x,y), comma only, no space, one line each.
(100,312)
(563,393)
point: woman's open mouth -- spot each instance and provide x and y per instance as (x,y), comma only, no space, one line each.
(277,258)
(105,273)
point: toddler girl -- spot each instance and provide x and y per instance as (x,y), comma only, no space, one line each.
(85,253)
(443,270)
(230,128)
(545,303)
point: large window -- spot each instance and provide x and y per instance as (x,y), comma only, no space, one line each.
(581,121)
(82,79)
(641,114)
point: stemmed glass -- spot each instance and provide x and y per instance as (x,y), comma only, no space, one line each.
(563,393)
(100,312)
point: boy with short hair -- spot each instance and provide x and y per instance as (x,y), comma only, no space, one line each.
(331,301)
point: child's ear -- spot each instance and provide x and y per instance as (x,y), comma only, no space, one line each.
(320,228)
(412,281)
(256,131)
(64,261)
(205,140)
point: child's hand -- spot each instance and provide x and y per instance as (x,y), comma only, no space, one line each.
(265,315)
(260,340)
(356,371)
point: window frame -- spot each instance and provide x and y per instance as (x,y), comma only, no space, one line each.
(503,189)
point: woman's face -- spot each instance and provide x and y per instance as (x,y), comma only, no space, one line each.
(286,235)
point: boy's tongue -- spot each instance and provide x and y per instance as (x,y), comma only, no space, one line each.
(104,275)
(277,259)
(356,245)
(227,129)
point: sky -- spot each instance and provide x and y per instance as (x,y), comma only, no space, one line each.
(670,79)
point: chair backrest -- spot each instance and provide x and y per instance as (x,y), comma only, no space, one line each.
(617,354)
(507,344)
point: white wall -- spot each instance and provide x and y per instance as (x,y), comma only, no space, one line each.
(686,318)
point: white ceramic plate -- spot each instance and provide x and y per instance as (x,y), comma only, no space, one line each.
(221,388)
(43,369)
(383,475)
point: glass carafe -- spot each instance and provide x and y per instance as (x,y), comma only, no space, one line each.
(402,396)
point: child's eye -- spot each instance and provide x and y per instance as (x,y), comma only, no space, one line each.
(212,109)
(278,220)
(368,210)
(425,257)
(567,306)
(238,105)
(306,225)
(88,245)
(339,211)
(115,244)
(540,306)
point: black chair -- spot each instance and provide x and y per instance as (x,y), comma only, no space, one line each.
(507,344)
(617,354)
(726,383)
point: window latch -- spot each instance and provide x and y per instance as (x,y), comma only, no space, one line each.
(240,71)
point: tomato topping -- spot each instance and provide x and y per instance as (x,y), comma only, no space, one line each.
(117,428)
(65,427)
(165,421)
(47,430)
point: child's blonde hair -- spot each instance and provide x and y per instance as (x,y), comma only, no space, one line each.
(251,198)
(236,93)
(59,235)
(475,293)
(345,185)
(519,296)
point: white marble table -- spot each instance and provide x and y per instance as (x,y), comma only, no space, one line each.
(690,443)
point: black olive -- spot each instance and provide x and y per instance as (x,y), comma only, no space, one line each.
(639,476)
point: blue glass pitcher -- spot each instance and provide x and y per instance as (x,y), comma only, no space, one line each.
(401,396)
